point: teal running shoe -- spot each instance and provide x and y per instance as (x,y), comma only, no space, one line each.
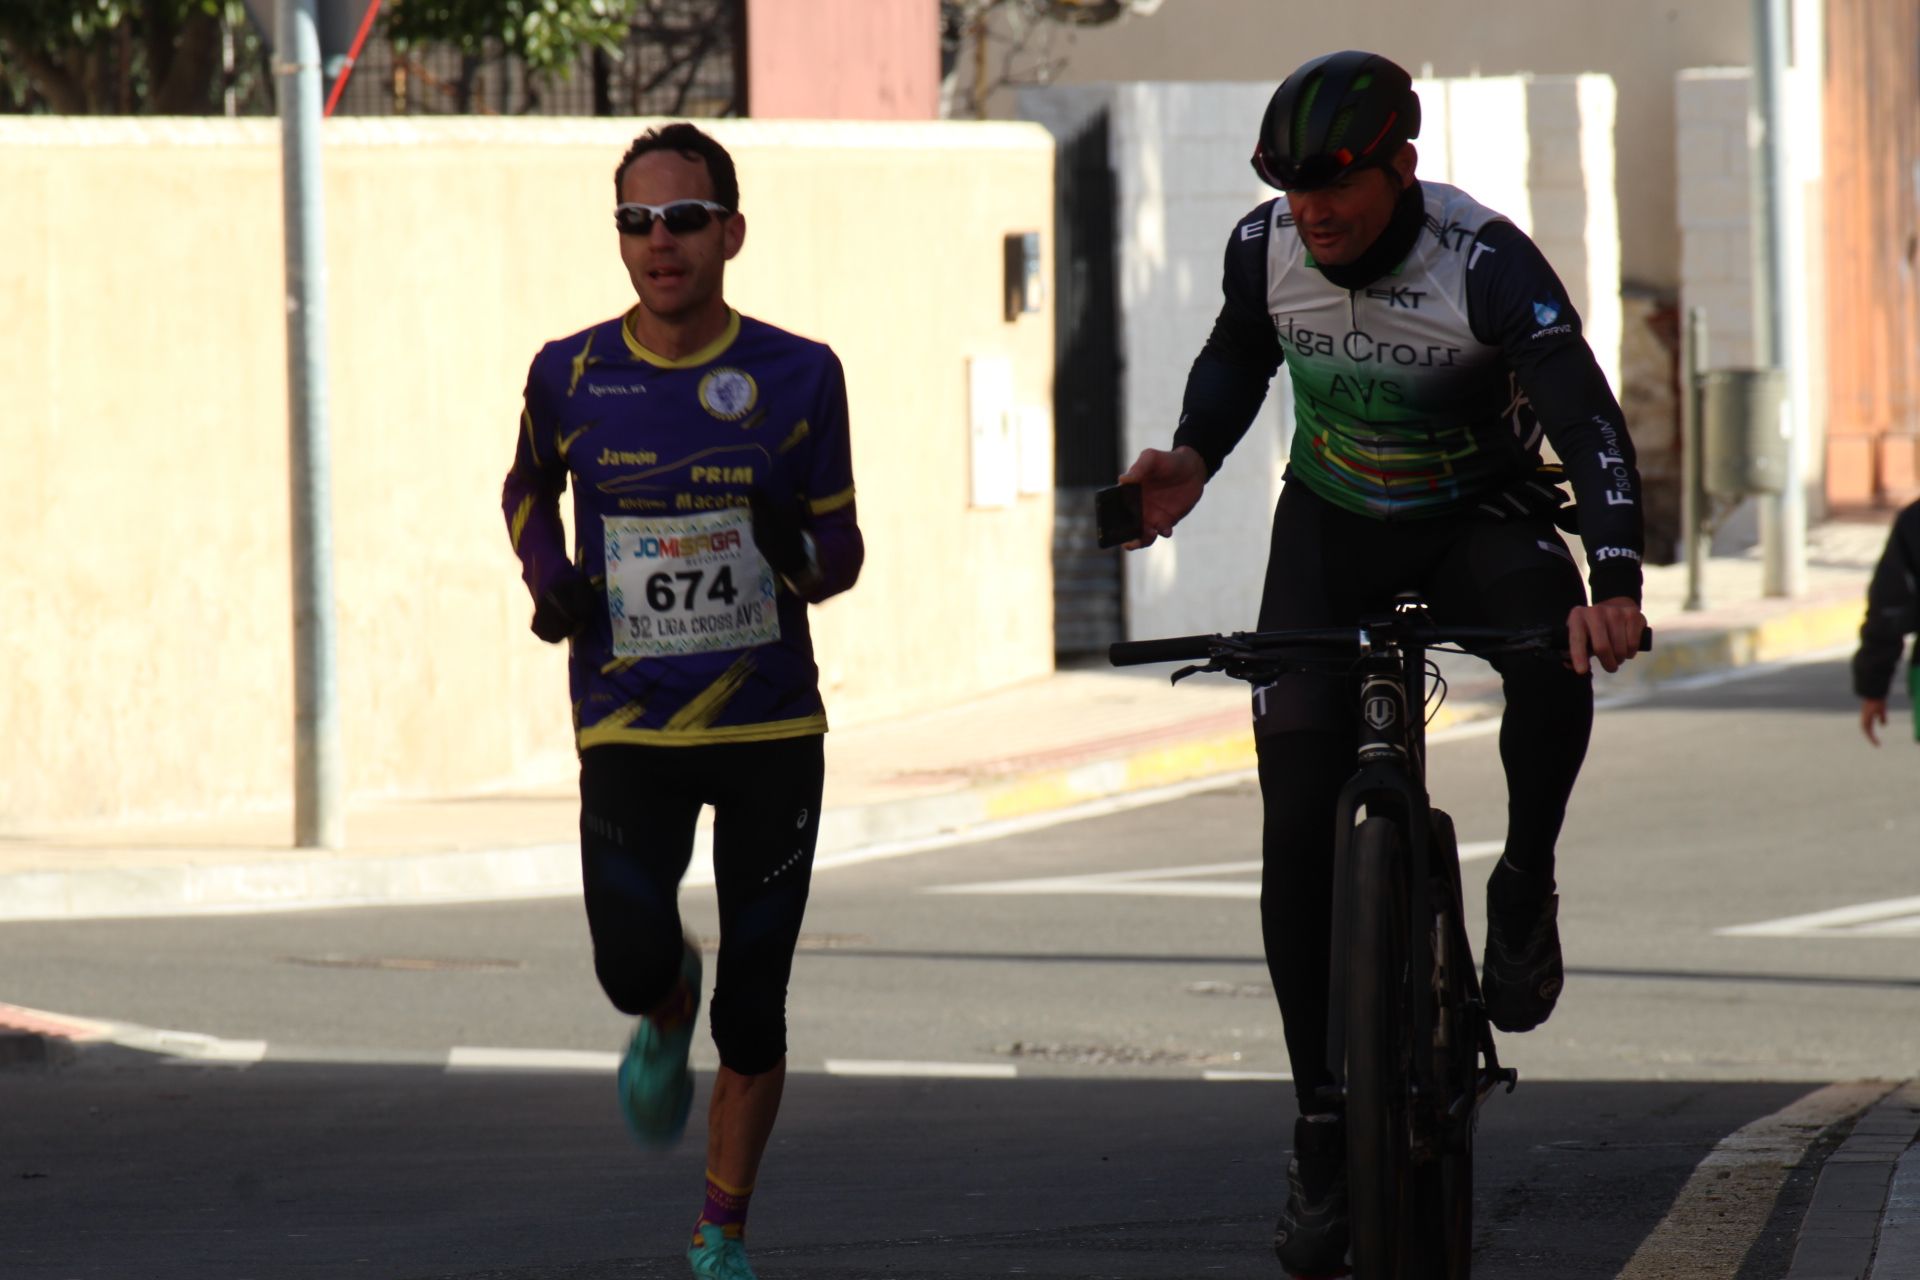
(656,1089)
(715,1255)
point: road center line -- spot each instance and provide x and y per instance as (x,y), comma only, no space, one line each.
(1161,882)
(921,1070)
(481,1058)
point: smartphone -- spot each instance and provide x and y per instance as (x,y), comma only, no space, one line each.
(1116,514)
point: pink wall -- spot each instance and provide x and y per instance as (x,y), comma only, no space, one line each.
(843,59)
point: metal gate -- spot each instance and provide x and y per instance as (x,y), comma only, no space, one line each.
(1086,389)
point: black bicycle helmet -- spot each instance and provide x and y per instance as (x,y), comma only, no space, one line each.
(1338,113)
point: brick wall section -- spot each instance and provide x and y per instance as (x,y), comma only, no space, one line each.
(1181,156)
(1713,177)
(1716,240)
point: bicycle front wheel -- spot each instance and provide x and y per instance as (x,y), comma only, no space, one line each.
(1379,1050)
(1443,1182)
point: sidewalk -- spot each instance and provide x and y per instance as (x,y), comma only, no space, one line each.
(1079,737)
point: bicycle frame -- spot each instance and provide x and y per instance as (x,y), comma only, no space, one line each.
(1391,782)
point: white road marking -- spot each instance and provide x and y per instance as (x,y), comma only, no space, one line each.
(1161,882)
(473,1058)
(987,831)
(187,1044)
(1237,1077)
(1890,918)
(1724,1205)
(192,1046)
(921,1070)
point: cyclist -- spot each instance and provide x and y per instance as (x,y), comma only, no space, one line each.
(1891,616)
(713,501)
(1431,348)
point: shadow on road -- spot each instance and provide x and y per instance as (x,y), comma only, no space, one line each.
(127,1165)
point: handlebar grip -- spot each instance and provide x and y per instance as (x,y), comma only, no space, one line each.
(1134,653)
(1646,640)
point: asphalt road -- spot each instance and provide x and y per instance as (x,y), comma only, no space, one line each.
(1097,978)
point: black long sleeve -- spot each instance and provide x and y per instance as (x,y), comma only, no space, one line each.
(1516,302)
(1893,611)
(1230,376)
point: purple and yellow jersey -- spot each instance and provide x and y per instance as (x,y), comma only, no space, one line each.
(699,641)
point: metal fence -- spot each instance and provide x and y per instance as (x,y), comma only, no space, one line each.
(680,58)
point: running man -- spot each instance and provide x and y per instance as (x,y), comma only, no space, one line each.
(712,501)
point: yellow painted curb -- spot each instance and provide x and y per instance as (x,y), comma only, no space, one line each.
(1806,631)
(1158,767)
(1809,630)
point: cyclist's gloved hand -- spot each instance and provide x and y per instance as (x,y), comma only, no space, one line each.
(780,531)
(565,608)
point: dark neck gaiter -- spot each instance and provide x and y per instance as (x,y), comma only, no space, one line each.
(1390,250)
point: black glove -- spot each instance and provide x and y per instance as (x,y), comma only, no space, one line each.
(779,530)
(566,608)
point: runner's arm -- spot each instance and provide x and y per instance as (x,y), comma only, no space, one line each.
(1229,378)
(1516,302)
(531,498)
(1892,610)
(838,548)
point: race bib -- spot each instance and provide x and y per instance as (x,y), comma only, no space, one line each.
(687,584)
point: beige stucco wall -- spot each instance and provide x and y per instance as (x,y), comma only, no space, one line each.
(145,658)
(1640,44)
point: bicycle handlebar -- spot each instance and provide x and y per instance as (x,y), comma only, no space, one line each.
(1134,653)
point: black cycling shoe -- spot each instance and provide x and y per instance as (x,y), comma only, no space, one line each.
(1310,1239)
(1520,971)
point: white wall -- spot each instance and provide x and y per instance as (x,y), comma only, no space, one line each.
(1538,149)
(1713,177)
(1639,44)
(1181,157)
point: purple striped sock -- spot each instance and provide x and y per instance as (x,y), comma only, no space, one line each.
(726,1207)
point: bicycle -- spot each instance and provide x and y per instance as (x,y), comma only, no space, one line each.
(1409,1045)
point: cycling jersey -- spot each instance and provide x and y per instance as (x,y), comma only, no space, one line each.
(700,642)
(1425,390)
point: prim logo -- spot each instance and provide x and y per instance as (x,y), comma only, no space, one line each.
(1381,712)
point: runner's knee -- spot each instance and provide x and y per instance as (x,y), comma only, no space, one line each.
(632,915)
(750,1029)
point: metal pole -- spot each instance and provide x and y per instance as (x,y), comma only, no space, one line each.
(1693,497)
(1783,518)
(319,820)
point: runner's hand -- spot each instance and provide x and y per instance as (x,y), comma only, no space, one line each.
(779,530)
(1873,711)
(566,607)
(1171,483)
(1609,631)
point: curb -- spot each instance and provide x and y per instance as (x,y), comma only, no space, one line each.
(552,870)
(1679,652)
(1844,1223)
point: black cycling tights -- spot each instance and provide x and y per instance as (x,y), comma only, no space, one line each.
(638,807)
(1329,567)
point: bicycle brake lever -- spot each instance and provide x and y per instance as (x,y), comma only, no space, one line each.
(1195,670)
